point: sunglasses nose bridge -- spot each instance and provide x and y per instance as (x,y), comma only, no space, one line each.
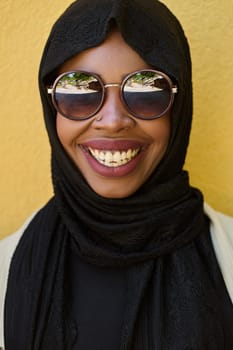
(114,114)
(113,97)
(112,85)
(118,94)
(115,93)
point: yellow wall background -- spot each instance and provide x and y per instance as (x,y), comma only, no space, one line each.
(24,151)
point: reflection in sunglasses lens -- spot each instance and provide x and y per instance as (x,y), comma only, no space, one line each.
(147,94)
(78,94)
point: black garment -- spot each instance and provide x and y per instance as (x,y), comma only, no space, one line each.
(97,297)
(178,301)
(96,303)
(159,235)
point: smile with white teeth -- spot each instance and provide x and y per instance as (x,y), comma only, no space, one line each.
(113,158)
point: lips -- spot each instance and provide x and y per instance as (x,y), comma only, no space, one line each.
(113,157)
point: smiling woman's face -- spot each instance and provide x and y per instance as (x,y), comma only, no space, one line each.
(115,152)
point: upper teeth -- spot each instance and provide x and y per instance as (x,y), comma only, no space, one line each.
(113,158)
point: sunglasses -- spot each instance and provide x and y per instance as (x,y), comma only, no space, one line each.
(79,95)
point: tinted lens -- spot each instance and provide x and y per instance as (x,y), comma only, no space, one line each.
(148,94)
(78,95)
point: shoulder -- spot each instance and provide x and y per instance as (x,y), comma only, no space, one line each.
(8,244)
(221,229)
(7,248)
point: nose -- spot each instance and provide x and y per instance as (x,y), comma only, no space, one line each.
(113,115)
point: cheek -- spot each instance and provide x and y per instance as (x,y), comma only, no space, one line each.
(65,130)
(160,130)
(166,132)
(160,134)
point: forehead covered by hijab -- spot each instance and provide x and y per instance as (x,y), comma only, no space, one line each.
(146,25)
(152,31)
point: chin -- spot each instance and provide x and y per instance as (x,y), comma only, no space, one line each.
(113,192)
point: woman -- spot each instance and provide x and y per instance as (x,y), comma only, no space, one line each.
(123,256)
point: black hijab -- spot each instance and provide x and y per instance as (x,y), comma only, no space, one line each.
(159,234)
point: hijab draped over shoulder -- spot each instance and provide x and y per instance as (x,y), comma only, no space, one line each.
(159,235)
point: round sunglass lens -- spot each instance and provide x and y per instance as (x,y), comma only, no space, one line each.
(147,94)
(78,95)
